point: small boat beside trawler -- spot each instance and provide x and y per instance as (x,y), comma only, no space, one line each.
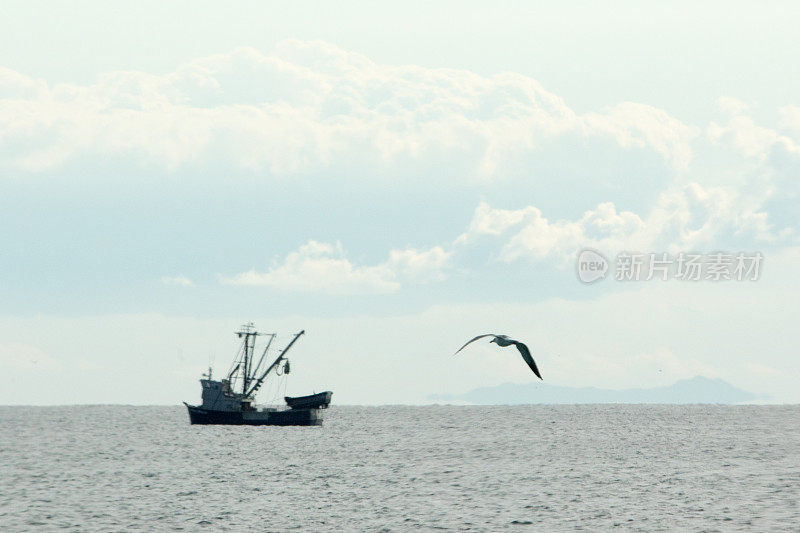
(231,400)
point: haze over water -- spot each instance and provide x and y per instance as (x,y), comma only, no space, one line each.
(101,468)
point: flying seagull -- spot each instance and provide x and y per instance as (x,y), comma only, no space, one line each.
(503,340)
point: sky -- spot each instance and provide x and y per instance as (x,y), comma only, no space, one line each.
(394,179)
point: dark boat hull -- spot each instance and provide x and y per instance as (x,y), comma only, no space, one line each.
(314,401)
(289,417)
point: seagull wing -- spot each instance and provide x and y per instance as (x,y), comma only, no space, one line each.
(473,340)
(526,354)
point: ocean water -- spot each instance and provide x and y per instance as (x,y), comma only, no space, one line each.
(113,468)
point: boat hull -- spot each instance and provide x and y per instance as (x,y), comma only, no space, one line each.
(289,417)
(314,401)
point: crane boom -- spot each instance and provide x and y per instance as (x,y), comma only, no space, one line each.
(274,364)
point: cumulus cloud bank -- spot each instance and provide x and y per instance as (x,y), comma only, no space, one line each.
(304,106)
(685,218)
(323,267)
(308,106)
(688,218)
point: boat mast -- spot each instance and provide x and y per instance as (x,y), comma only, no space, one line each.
(274,364)
(249,333)
(244,362)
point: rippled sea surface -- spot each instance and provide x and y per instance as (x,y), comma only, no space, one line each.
(104,468)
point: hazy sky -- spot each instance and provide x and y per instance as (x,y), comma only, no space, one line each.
(395,179)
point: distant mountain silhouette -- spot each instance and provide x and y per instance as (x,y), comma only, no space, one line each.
(698,389)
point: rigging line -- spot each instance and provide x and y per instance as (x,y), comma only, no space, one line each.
(272,392)
(236,362)
(285,383)
(275,397)
(263,354)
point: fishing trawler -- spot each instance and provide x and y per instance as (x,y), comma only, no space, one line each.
(231,400)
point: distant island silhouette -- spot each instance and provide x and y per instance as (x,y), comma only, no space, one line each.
(698,389)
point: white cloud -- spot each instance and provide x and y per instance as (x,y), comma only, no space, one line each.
(790,120)
(324,268)
(18,87)
(687,217)
(743,134)
(488,221)
(180,281)
(540,238)
(321,267)
(750,139)
(419,265)
(602,228)
(640,125)
(731,106)
(683,218)
(306,106)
